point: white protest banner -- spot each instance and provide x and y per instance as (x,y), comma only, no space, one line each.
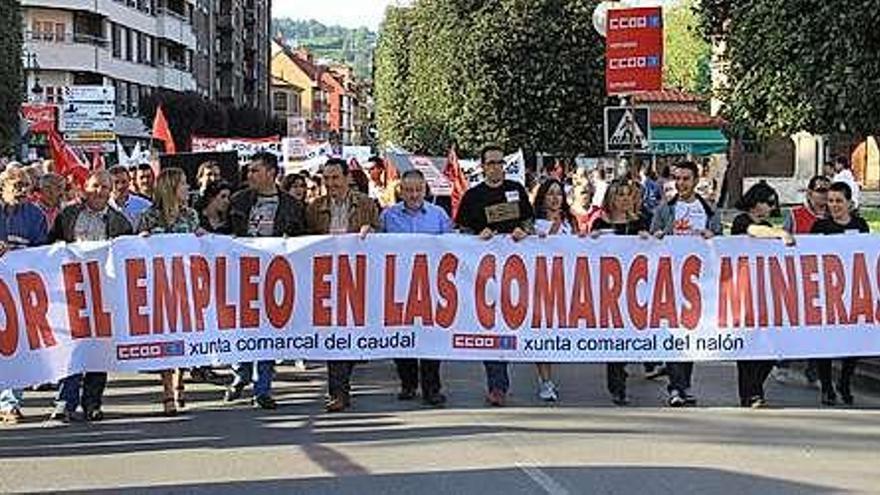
(245,147)
(438,184)
(514,170)
(360,153)
(180,301)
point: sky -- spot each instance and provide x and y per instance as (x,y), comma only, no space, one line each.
(358,13)
(348,13)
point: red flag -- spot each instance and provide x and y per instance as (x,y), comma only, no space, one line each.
(67,162)
(98,161)
(390,171)
(456,178)
(162,132)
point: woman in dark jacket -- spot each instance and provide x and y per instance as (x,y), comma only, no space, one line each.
(619,217)
(756,206)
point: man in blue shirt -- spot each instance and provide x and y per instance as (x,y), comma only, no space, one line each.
(415,216)
(22,225)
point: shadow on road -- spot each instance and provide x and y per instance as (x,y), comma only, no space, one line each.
(554,480)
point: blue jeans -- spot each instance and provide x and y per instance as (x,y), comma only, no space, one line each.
(496,376)
(265,372)
(92,385)
(11,399)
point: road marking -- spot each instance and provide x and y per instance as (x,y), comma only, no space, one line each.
(544,480)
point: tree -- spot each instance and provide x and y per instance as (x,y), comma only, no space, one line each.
(798,64)
(521,74)
(10,74)
(190,114)
(687,52)
(391,77)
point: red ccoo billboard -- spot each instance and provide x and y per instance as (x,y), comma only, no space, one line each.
(634,50)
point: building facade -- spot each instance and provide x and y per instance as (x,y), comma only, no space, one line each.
(141,46)
(298,68)
(242,51)
(333,103)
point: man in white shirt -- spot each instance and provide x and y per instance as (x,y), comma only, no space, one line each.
(844,174)
(131,205)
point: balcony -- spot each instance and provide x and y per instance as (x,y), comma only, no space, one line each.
(67,52)
(176,78)
(174,27)
(84,5)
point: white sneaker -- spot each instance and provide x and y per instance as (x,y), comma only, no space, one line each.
(547,391)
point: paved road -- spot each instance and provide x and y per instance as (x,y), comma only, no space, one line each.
(582,445)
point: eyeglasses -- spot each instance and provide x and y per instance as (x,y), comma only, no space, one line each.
(495,162)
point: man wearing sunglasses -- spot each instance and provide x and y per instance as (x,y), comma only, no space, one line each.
(496,206)
(800,221)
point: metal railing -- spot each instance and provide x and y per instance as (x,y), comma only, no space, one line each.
(66,38)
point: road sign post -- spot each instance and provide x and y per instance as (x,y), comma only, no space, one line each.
(627,129)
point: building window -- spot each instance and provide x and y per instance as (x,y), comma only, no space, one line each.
(53,94)
(120,97)
(116,39)
(48,31)
(129,44)
(279,102)
(133,99)
(142,49)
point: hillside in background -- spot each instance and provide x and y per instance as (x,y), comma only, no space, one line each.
(352,46)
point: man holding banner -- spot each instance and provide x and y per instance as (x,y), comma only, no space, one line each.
(22,225)
(91,220)
(340,211)
(496,206)
(262,211)
(415,216)
(686,214)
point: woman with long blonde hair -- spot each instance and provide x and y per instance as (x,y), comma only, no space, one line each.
(171,215)
(619,217)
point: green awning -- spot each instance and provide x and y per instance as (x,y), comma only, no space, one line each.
(687,141)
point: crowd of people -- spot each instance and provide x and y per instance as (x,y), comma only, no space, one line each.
(38,207)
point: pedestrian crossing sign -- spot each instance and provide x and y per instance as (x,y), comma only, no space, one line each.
(627,129)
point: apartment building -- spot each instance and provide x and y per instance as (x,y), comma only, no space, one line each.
(140,46)
(242,51)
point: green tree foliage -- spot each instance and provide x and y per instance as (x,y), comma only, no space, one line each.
(687,53)
(799,64)
(391,76)
(10,73)
(522,73)
(351,46)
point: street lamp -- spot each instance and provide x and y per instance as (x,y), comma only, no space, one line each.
(37,90)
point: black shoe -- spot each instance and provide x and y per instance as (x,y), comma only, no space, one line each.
(689,399)
(675,399)
(94,415)
(829,398)
(337,403)
(233,393)
(620,399)
(406,394)
(265,402)
(434,400)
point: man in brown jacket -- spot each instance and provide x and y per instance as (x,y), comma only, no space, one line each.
(341,211)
